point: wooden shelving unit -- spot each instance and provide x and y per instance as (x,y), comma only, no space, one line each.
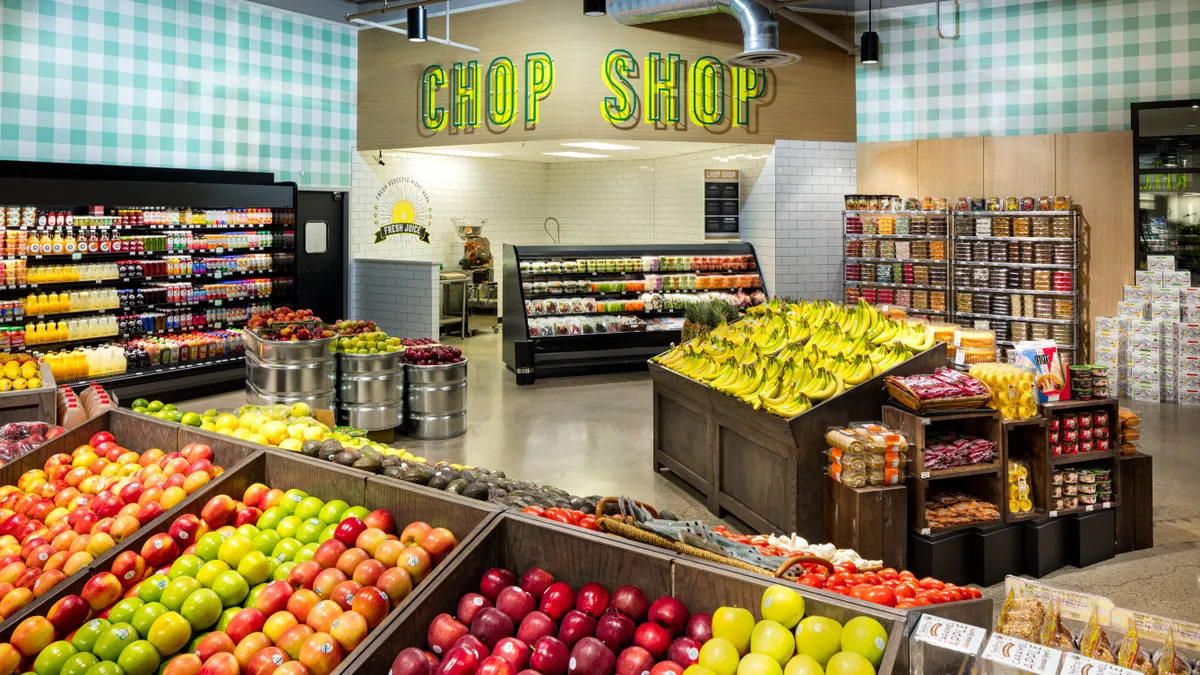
(1025,440)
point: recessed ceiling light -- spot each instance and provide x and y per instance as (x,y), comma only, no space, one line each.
(463,153)
(576,155)
(596,145)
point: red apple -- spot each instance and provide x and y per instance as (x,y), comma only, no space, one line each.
(246,515)
(536,625)
(129,567)
(670,613)
(495,665)
(185,529)
(414,533)
(653,638)
(592,599)
(615,630)
(495,580)
(514,651)
(632,602)
(266,660)
(516,603)
(218,512)
(68,613)
(575,626)
(326,581)
(305,573)
(439,542)
(557,600)
(244,623)
(474,644)
(194,452)
(411,661)
(343,594)
(491,625)
(159,550)
(327,553)
(469,606)
(667,668)
(274,598)
(348,530)
(417,562)
(458,661)
(149,511)
(215,642)
(699,627)
(380,519)
(685,651)
(443,632)
(254,494)
(550,656)
(634,661)
(101,591)
(591,657)
(372,604)
(535,581)
(396,584)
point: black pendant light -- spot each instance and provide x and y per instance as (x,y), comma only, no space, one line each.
(416,24)
(594,8)
(870,40)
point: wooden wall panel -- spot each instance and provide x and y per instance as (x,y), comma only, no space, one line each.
(1019,165)
(1096,169)
(951,167)
(888,168)
(813,99)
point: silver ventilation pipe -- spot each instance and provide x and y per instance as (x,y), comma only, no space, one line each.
(760,32)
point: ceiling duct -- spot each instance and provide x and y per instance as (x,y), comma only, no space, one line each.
(760,32)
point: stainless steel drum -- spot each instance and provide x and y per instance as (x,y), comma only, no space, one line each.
(290,372)
(436,400)
(295,379)
(271,351)
(316,402)
(369,390)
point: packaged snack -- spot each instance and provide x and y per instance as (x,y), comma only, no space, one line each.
(1049,377)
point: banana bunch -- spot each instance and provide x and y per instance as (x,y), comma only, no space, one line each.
(786,357)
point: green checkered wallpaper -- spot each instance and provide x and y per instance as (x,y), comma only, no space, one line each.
(1025,67)
(202,84)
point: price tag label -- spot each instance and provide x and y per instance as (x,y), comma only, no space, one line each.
(1088,508)
(924,530)
(1108,505)
(23,285)
(217,324)
(947,634)
(1054,514)
(924,474)
(1025,656)
(1076,664)
(98,281)
(76,256)
(218,303)
(217,274)
(220,250)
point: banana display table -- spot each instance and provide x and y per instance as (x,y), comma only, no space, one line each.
(758,453)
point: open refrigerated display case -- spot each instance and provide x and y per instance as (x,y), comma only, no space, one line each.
(140,280)
(573,309)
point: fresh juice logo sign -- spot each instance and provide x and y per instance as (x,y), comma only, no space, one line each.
(670,85)
(402,207)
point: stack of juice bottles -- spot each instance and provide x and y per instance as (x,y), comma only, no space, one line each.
(86,362)
(50,274)
(83,328)
(187,347)
(214,315)
(37,304)
(236,290)
(167,216)
(74,410)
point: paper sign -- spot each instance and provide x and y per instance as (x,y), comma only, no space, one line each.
(1075,605)
(1187,635)
(1022,655)
(1075,664)
(948,634)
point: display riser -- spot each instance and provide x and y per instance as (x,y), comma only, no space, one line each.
(942,556)
(762,468)
(1091,538)
(996,552)
(1046,547)
(871,520)
(1135,515)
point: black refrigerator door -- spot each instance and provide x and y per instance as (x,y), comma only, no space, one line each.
(320,254)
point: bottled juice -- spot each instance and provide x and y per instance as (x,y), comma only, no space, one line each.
(69,243)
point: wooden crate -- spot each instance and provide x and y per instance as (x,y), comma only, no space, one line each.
(465,517)
(764,469)
(1135,515)
(871,520)
(577,556)
(31,405)
(1025,440)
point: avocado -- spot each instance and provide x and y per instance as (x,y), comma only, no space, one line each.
(394,472)
(346,458)
(418,473)
(469,475)
(369,463)
(330,447)
(499,474)
(457,486)
(391,460)
(311,448)
(496,494)
(477,490)
(438,482)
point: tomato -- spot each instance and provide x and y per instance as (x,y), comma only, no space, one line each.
(890,583)
(908,576)
(932,584)
(560,515)
(888,573)
(837,579)
(871,578)
(840,590)
(533,510)
(904,591)
(955,590)
(945,596)
(810,580)
(860,591)
(909,603)
(880,595)
(975,593)
(846,567)
(588,522)
(822,571)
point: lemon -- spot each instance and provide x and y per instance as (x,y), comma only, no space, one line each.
(300,410)
(252,421)
(257,438)
(19,383)
(5,384)
(273,431)
(226,421)
(29,370)
(313,434)
(34,383)
(290,444)
(242,433)
(208,426)
(11,370)
(225,431)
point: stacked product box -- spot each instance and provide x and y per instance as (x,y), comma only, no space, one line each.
(1188,368)
(1144,353)
(1107,349)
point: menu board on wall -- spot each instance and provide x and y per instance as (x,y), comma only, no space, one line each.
(721,203)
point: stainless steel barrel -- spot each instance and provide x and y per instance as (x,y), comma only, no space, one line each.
(369,390)
(290,372)
(436,400)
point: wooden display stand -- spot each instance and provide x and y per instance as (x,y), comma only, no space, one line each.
(1135,516)
(871,520)
(1105,458)
(761,468)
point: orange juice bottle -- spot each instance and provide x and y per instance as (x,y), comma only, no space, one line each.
(32,306)
(46,244)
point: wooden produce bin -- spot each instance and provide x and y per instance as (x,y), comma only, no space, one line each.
(1025,440)
(761,468)
(872,520)
(466,518)
(31,405)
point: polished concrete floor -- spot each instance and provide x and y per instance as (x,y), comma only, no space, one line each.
(593,435)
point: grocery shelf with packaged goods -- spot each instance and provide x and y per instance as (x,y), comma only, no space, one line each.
(572,309)
(101,285)
(897,253)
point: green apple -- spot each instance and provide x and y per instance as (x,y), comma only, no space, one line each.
(86,635)
(802,664)
(114,641)
(359,512)
(170,633)
(235,548)
(226,617)
(185,566)
(231,587)
(818,637)
(327,533)
(144,618)
(210,571)
(266,541)
(79,664)
(208,547)
(178,591)
(52,658)
(759,664)
(202,609)
(270,518)
(783,605)
(309,530)
(720,656)
(866,637)
(770,638)
(309,507)
(139,658)
(849,663)
(282,570)
(254,567)
(122,612)
(105,668)
(152,589)
(735,625)
(306,552)
(332,512)
(248,531)
(286,550)
(288,526)
(292,499)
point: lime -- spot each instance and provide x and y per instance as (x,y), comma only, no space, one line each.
(191,419)
(140,403)
(140,409)
(154,406)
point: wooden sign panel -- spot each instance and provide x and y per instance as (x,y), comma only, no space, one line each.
(546,72)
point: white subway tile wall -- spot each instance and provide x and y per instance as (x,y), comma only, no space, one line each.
(810,180)
(403,298)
